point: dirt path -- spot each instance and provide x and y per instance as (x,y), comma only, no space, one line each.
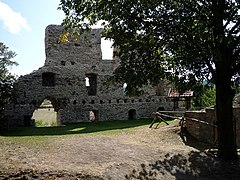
(144,154)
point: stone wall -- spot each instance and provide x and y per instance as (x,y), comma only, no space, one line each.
(62,80)
(205,132)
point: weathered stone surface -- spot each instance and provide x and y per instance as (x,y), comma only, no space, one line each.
(62,80)
(205,132)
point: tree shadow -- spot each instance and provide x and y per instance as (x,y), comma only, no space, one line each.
(195,165)
(191,141)
(77,128)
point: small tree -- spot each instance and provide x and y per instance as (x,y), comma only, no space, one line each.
(181,40)
(6,78)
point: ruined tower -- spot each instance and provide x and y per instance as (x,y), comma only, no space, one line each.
(74,78)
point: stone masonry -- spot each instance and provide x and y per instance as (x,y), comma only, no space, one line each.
(204,131)
(74,78)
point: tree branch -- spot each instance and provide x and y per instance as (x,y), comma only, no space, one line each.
(210,67)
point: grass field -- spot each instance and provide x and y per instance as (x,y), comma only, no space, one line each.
(105,127)
(45,117)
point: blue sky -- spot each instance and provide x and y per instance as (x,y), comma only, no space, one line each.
(22,29)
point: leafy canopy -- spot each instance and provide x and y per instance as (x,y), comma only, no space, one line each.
(6,78)
(173,39)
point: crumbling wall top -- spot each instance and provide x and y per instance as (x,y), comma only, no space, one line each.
(84,50)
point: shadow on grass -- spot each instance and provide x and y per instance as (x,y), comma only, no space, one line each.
(77,128)
(195,165)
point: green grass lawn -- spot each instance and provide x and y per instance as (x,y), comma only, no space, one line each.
(45,117)
(82,128)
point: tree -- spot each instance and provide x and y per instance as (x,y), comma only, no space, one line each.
(204,96)
(180,40)
(6,78)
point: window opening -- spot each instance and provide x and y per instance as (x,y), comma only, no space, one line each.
(107,49)
(48,79)
(87,84)
(124,88)
(91,84)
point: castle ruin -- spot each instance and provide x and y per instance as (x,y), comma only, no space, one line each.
(74,78)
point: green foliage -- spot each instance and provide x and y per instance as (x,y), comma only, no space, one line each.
(205,96)
(53,123)
(42,123)
(6,78)
(209,97)
(46,102)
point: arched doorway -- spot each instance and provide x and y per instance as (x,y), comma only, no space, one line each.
(46,113)
(132,114)
(93,115)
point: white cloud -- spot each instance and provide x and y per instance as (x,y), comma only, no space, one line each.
(12,20)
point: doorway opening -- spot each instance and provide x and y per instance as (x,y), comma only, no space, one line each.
(45,115)
(132,114)
(93,115)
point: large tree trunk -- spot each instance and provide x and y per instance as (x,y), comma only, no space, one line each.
(224,98)
(224,93)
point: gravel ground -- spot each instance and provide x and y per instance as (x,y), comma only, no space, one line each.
(142,154)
